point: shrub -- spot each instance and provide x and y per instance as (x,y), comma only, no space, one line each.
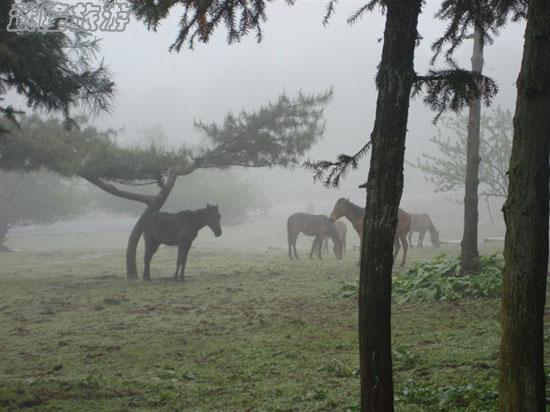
(437,280)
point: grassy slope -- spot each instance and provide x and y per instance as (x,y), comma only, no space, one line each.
(247,331)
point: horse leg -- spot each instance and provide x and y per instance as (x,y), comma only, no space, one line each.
(185,251)
(294,240)
(291,240)
(421,239)
(319,246)
(395,248)
(313,246)
(410,238)
(178,262)
(289,249)
(151,246)
(405,248)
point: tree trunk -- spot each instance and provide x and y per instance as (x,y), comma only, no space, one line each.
(384,188)
(154,205)
(133,240)
(469,259)
(521,380)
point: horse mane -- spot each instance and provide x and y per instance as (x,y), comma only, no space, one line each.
(191,215)
(356,210)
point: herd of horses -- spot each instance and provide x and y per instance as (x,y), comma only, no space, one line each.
(322,227)
(180,229)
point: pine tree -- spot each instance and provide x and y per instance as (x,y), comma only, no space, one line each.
(52,71)
(522,377)
(445,89)
(278,134)
(469,256)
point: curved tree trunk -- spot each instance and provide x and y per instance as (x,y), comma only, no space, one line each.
(154,205)
(133,241)
(384,188)
(521,380)
(469,258)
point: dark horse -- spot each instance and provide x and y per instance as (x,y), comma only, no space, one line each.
(312,225)
(177,229)
(422,223)
(356,214)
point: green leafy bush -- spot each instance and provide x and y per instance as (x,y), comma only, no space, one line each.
(473,396)
(437,280)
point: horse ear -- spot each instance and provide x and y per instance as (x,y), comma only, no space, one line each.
(207,204)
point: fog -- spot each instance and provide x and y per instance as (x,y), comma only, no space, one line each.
(298,53)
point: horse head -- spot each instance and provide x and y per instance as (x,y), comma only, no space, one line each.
(339,209)
(213,218)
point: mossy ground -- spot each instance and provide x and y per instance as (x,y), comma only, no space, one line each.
(247,331)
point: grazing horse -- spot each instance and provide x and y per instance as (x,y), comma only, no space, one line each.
(342,230)
(356,215)
(312,225)
(177,229)
(422,223)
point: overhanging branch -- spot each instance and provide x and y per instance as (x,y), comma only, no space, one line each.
(112,189)
(331,173)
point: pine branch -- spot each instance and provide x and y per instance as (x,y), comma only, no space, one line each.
(331,173)
(357,14)
(277,134)
(112,189)
(200,18)
(453,89)
(462,16)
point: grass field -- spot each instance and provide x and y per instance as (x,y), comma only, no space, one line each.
(248,331)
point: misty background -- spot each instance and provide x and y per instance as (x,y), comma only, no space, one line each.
(156,88)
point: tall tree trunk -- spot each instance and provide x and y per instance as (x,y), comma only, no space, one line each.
(521,380)
(469,259)
(384,188)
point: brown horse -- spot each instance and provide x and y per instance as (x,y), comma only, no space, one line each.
(312,225)
(177,229)
(356,215)
(422,223)
(342,230)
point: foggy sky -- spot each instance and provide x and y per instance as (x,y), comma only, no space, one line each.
(297,53)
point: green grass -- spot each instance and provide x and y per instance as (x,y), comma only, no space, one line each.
(246,331)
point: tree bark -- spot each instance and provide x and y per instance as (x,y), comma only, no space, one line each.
(384,188)
(521,364)
(469,259)
(154,205)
